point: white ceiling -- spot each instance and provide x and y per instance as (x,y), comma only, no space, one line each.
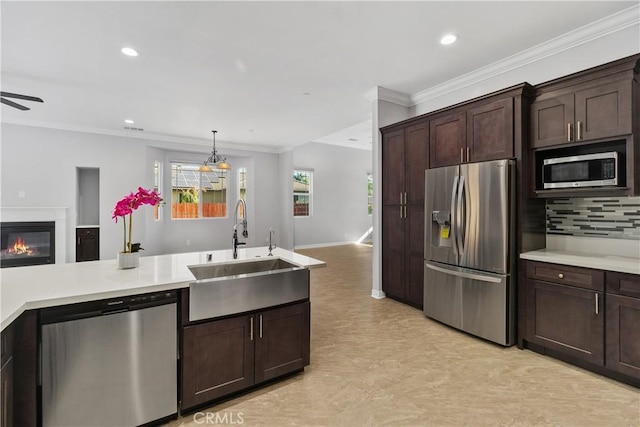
(243,68)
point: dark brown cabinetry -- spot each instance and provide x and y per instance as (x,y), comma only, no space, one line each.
(217,359)
(595,110)
(477,133)
(225,356)
(591,110)
(18,372)
(405,157)
(623,323)
(565,312)
(87,244)
(6,377)
(448,141)
(569,315)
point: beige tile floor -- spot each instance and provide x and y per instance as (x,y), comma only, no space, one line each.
(382,363)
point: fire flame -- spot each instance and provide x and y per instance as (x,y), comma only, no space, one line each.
(20,248)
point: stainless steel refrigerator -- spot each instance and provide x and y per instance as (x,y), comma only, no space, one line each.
(470,248)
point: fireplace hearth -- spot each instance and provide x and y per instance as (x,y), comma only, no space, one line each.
(27,243)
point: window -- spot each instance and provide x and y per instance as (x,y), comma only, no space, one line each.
(242,188)
(196,194)
(369,194)
(302,193)
(157,179)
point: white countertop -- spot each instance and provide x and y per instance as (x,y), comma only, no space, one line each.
(584,259)
(26,288)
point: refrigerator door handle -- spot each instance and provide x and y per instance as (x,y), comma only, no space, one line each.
(460,217)
(464,274)
(454,231)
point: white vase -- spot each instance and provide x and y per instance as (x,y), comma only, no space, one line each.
(128,260)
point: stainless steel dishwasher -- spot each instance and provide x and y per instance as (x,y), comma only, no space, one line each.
(110,362)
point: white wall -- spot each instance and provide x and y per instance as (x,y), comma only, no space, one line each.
(42,164)
(339,194)
(596,52)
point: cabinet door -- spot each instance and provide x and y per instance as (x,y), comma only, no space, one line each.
(414,255)
(566,319)
(87,244)
(603,111)
(623,334)
(282,341)
(552,121)
(393,167)
(490,131)
(217,359)
(6,391)
(393,251)
(447,140)
(416,161)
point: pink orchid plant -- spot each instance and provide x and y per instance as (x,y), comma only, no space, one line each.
(127,205)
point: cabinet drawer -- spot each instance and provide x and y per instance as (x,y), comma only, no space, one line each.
(566,275)
(89,232)
(623,284)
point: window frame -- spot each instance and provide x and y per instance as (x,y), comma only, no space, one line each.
(294,193)
(200,195)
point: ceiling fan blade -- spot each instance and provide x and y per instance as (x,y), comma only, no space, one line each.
(18,96)
(13,104)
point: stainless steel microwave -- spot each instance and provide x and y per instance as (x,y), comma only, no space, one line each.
(588,170)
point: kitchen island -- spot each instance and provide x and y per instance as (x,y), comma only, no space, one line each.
(29,294)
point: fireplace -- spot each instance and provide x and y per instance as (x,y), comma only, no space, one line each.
(27,243)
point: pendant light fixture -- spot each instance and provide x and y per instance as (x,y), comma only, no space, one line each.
(215,159)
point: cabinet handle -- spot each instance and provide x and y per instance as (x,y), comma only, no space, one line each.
(468,154)
(568,132)
(462,155)
(405,197)
(400,211)
(401,197)
(597,298)
(251,329)
(261,326)
(561,276)
(579,131)
(405,211)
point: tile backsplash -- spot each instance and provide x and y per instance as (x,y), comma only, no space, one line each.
(611,217)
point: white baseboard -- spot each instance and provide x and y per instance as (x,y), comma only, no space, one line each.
(323,245)
(377,294)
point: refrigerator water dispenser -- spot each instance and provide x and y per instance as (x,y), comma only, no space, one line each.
(441,228)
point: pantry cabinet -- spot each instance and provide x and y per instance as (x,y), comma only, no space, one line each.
(405,157)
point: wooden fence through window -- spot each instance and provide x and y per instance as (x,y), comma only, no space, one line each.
(190,210)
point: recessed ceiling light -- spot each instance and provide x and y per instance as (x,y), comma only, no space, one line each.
(307,93)
(353,139)
(129,51)
(129,121)
(448,39)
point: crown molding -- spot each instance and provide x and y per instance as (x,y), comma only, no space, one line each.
(147,136)
(611,24)
(380,93)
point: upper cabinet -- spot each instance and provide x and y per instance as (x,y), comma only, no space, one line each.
(591,110)
(476,131)
(587,113)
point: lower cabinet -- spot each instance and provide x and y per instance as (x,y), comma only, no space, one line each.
(87,244)
(226,356)
(6,390)
(565,318)
(623,324)
(584,315)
